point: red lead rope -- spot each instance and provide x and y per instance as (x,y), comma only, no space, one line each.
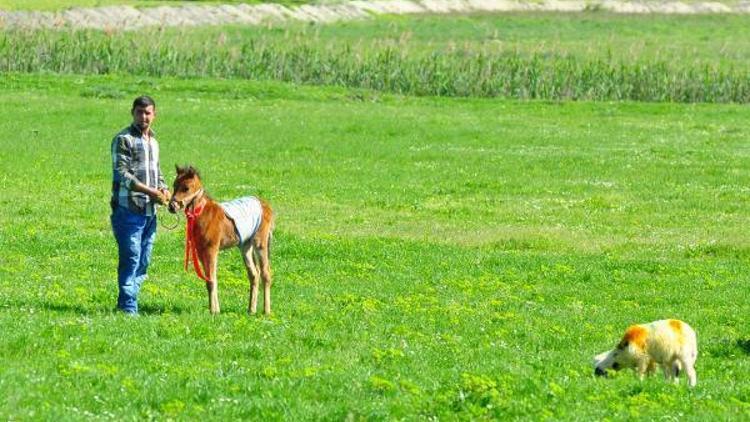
(190,249)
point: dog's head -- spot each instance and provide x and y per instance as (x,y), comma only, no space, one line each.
(606,361)
(625,355)
(187,187)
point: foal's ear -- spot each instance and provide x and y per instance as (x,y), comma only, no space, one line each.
(191,171)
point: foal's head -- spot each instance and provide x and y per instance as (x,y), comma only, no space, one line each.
(187,187)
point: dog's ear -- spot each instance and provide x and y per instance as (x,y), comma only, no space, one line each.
(178,169)
(601,356)
(623,345)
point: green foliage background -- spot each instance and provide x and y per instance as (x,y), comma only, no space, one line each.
(589,56)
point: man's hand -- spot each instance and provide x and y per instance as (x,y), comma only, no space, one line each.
(161,196)
(164,196)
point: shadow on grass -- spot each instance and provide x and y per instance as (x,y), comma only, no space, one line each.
(728,348)
(744,345)
(72,308)
(103,309)
(159,309)
(87,309)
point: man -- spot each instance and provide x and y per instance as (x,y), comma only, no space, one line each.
(137,187)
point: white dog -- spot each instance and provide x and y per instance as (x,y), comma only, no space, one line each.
(670,343)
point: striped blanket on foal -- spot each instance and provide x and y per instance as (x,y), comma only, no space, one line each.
(246,213)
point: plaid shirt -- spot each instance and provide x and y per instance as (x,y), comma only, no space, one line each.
(135,158)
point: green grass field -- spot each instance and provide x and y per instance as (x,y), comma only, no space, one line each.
(434,257)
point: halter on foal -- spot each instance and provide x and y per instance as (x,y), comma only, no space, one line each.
(210,230)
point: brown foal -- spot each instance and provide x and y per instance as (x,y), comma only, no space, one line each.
(210,230)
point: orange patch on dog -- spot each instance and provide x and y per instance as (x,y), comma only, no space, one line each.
(676,326)
(635,335)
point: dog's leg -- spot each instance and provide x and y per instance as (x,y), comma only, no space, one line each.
(252,275)
(642,369)
(667,369)
(672,371)
(689,368)
(651,367)
(265,273)
(692,377)
(676,370)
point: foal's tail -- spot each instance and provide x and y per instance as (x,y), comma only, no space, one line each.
(270,221)
(270,233)
(270,242)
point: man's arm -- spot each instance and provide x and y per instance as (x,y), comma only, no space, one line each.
(163,188)
(157,195)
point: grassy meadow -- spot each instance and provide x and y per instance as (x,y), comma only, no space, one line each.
(443,258)
(433,257)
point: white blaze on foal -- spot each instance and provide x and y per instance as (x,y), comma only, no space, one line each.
(670,343)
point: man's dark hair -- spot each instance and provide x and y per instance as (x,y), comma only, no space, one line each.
(143,101)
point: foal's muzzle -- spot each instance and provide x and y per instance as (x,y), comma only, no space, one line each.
(173,206)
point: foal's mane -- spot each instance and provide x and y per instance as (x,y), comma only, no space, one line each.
(188,171)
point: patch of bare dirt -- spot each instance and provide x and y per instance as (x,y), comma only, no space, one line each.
(128,18)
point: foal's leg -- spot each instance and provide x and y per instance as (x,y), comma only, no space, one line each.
(210,261)
(263,257)
(252,276)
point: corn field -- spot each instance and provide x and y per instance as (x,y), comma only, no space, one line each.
(456,72)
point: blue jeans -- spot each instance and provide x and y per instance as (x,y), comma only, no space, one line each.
(135,235)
